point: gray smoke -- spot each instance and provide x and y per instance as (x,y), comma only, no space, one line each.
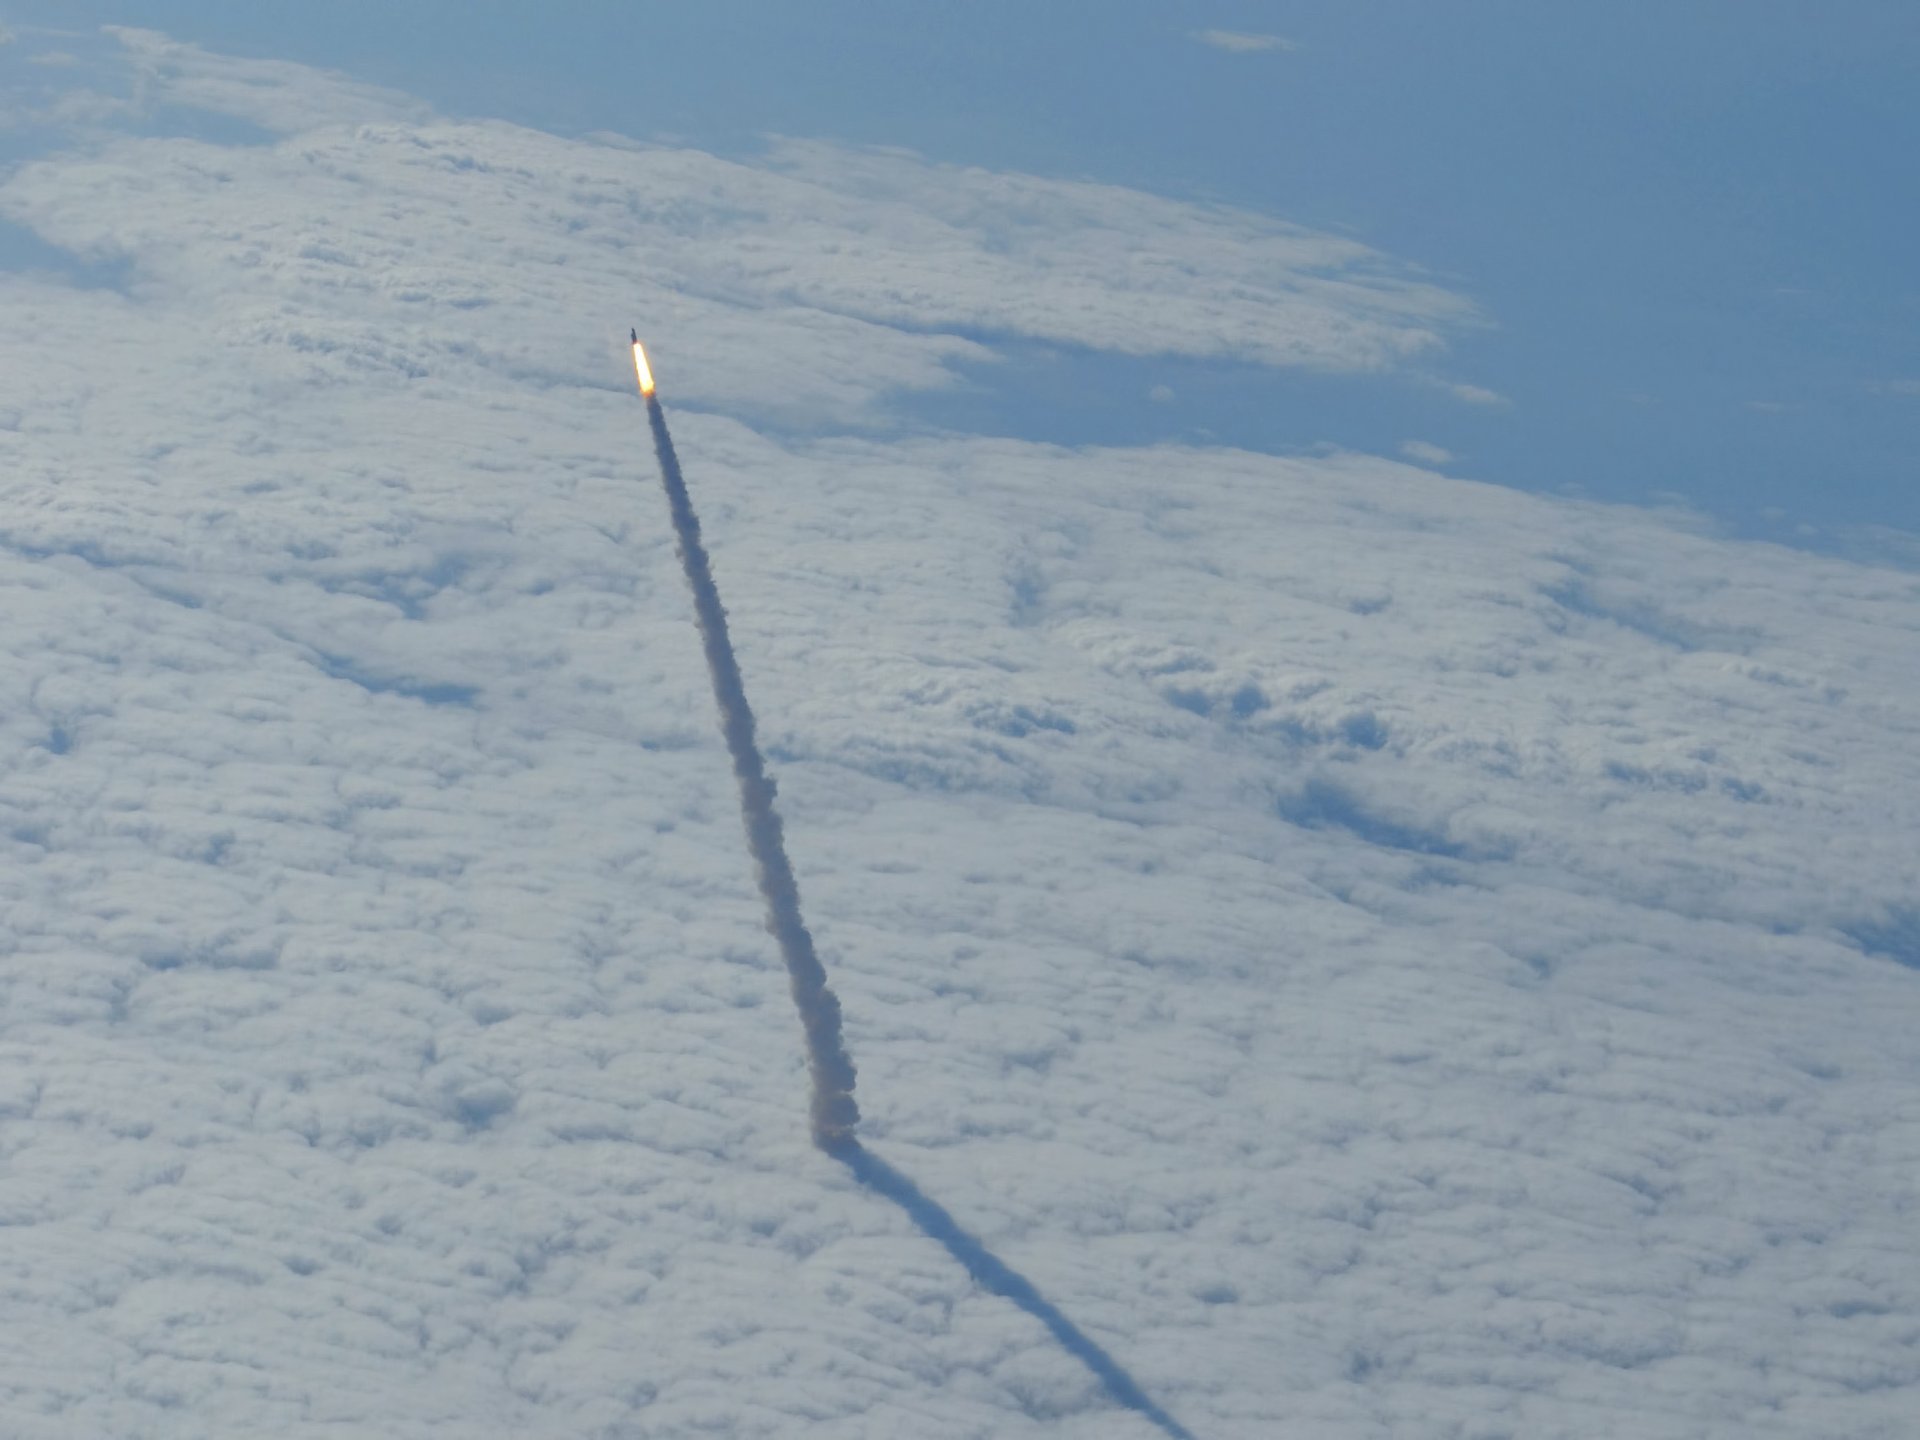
(834,1112)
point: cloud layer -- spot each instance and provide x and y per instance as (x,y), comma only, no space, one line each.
(1381,955)
(844,273)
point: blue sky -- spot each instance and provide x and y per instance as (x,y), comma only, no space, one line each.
(1685,223)
(1688,226)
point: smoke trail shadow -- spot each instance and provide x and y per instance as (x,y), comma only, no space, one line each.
(992,1273)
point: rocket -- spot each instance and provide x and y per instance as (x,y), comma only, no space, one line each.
(641,370)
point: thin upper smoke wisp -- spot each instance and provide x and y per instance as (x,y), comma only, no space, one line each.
(834,1112)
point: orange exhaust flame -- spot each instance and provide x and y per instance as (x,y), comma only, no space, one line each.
(642,371)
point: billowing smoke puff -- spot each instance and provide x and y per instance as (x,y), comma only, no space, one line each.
(834,1112)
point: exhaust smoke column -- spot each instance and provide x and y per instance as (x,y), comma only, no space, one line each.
(834,1112)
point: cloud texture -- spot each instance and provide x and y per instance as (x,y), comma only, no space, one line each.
(1383,955)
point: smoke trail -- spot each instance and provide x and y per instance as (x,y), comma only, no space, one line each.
(834,1112)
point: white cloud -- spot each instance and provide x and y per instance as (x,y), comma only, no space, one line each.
(1459,941)
(1241,42)
(826,242)
(1895,387)
(820,281)
(278,96)
(1426,452)
(1476,395)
